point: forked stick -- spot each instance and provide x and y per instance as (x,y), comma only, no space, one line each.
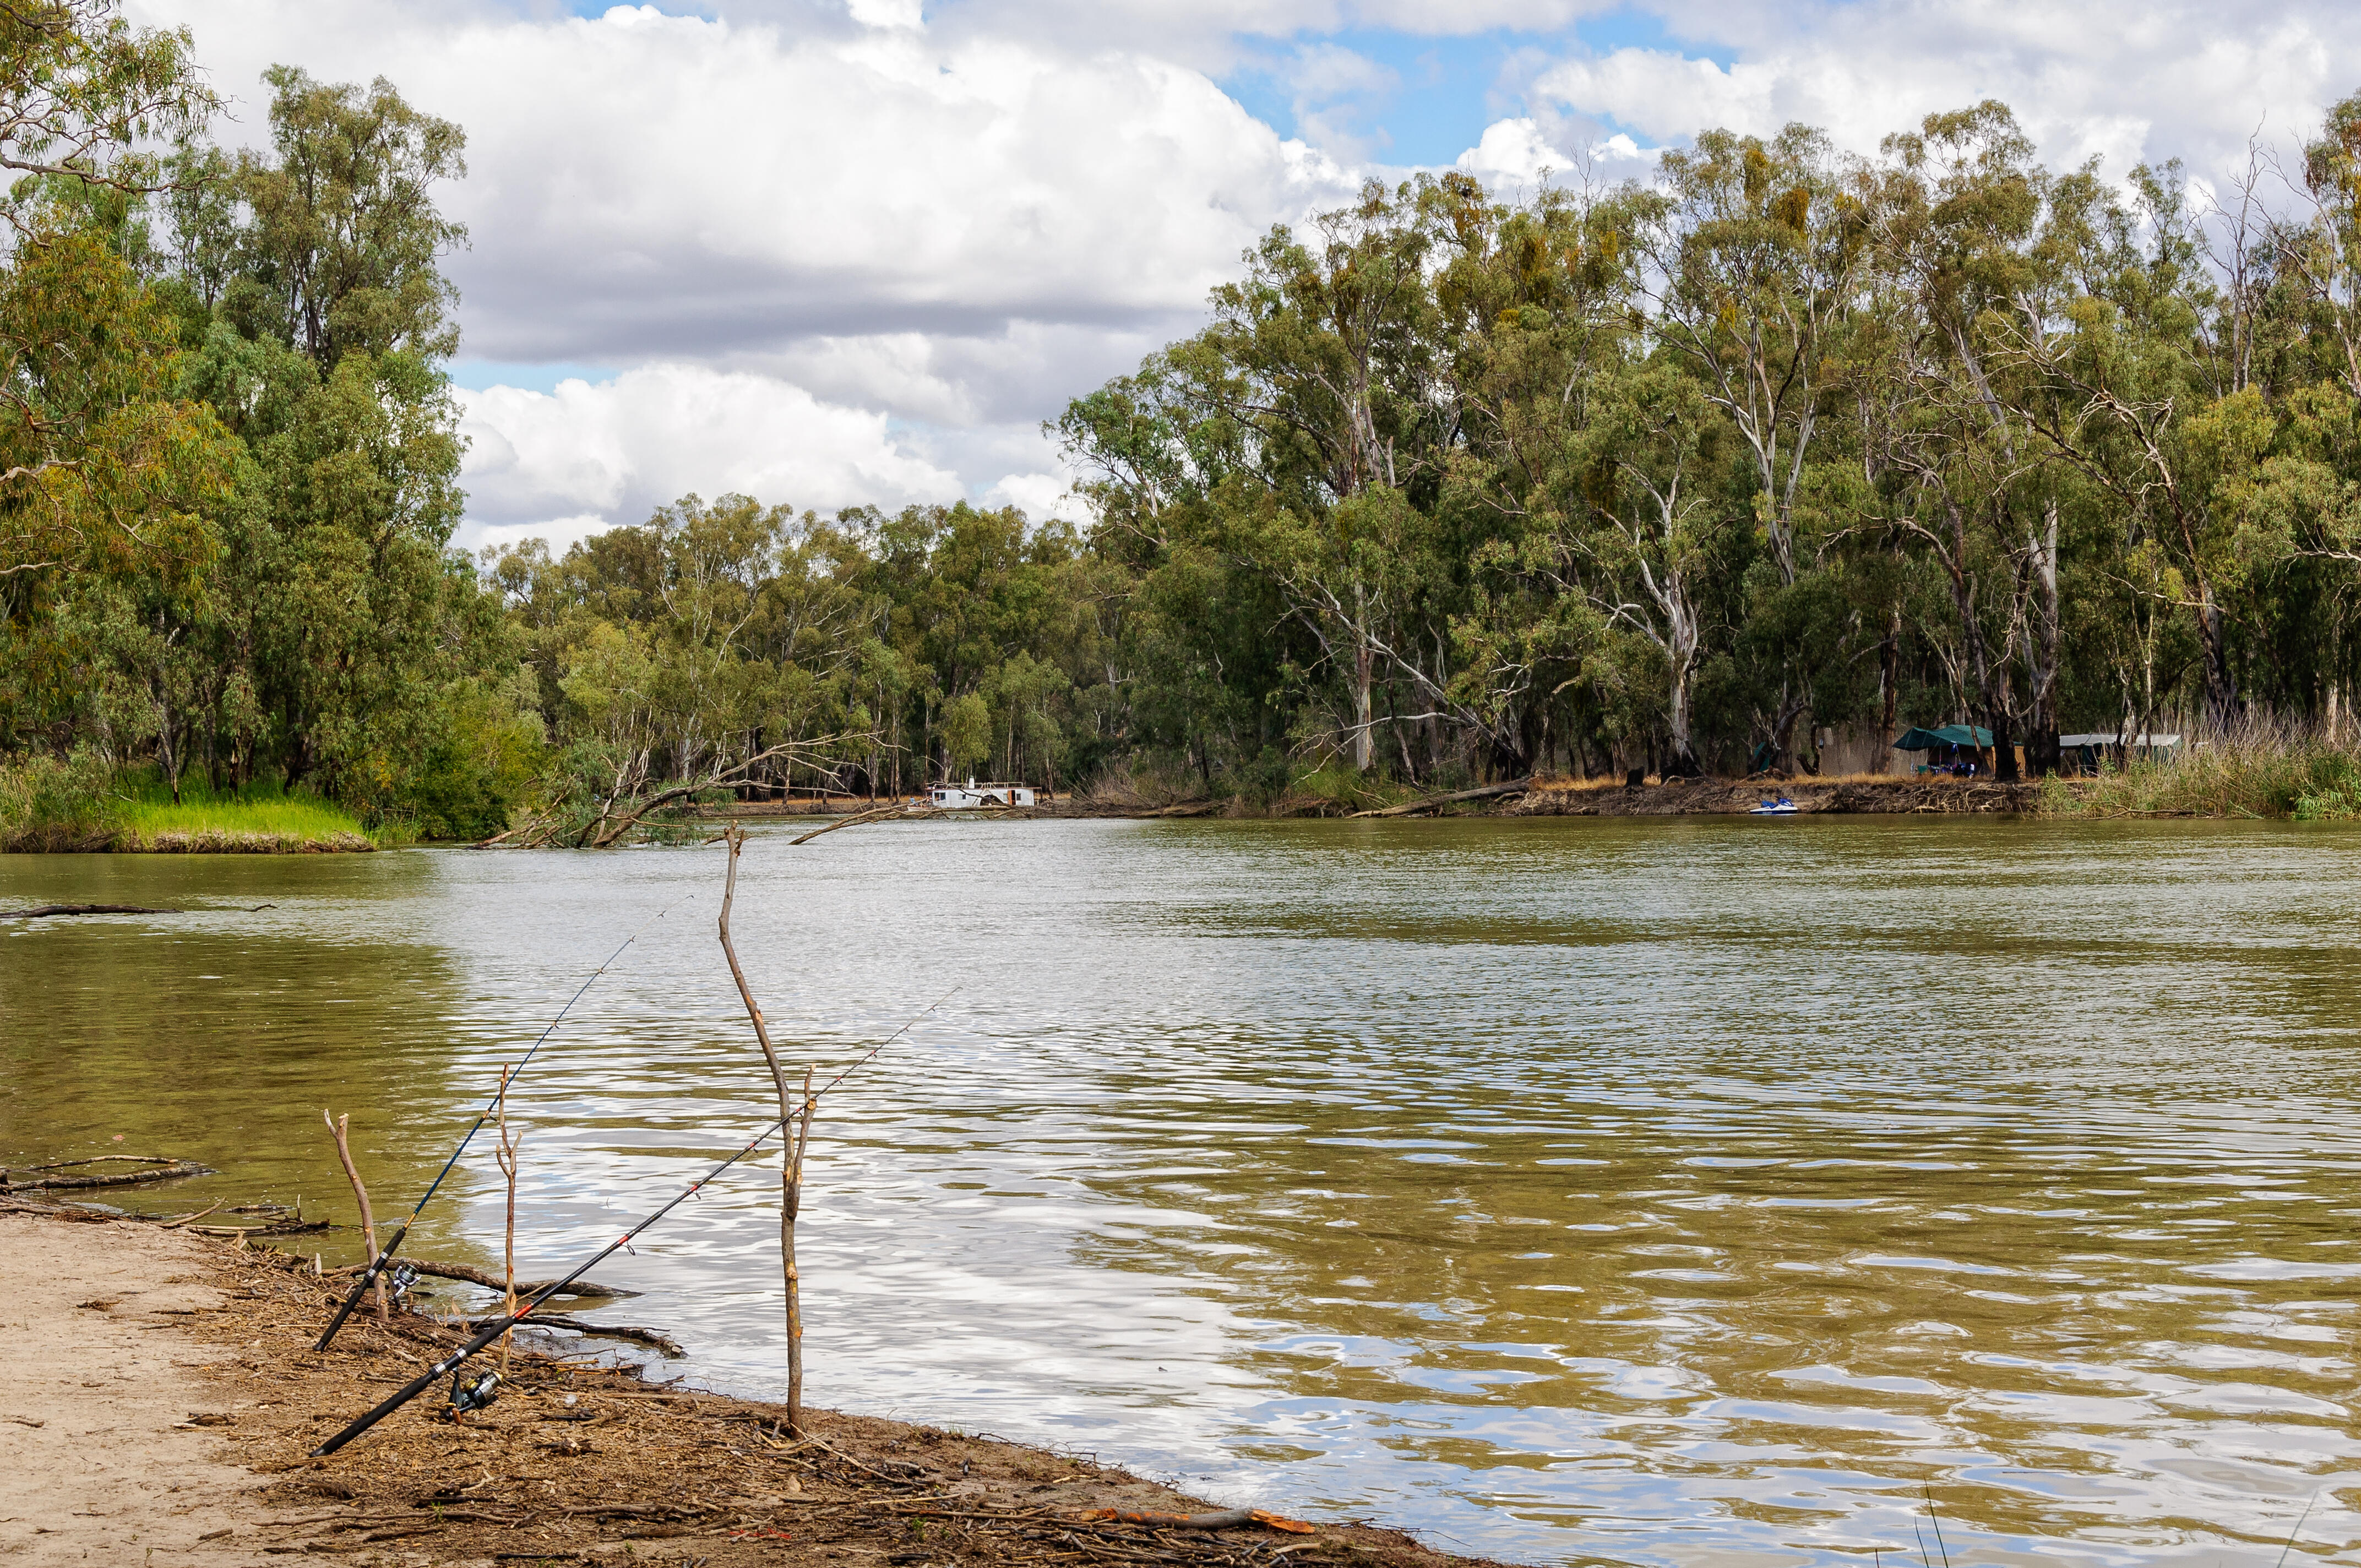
(336,1126)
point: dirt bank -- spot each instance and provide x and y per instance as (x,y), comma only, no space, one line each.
(1711,798)
(210,841)
(160,1397)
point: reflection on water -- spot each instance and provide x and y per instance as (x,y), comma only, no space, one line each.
(1699,1193)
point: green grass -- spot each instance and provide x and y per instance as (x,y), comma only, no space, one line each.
(77,804)
(149,819)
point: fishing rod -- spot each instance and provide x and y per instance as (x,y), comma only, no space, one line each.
(493,1328)
(401,1233)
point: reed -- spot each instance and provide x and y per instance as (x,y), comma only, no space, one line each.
(2261,768)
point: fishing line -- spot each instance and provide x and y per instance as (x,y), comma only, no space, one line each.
(377,1265)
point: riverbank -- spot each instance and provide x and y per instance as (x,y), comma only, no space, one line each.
(163,1400)
(1723,797)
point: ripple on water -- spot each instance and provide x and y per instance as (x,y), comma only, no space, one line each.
(1665,1192)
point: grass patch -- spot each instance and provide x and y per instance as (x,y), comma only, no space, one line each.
(77,804)
(2257,771)
(149,819)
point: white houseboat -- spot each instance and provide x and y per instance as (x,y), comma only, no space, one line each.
(953,798)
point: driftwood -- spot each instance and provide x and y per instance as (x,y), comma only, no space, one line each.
(1190,808)
(494,1282)
(881,814)
(166,1170)
(1431,802)
(1228,1518)
(661,1341)
(48,909)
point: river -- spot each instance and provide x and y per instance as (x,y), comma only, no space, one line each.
(1692,1192)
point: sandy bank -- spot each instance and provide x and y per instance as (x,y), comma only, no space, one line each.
(125,1337)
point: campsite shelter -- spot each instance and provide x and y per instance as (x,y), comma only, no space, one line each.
(2081,753)
(1947,741)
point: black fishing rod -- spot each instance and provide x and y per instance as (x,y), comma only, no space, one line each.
(496,1327)
(377,1265)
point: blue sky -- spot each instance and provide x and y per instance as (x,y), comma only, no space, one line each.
(1448,88)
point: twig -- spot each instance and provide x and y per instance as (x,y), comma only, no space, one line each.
(187,1219)
(336,1128)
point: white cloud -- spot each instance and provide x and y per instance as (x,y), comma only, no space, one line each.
(644,184)
(1038,495)
(856,250)
(543,462)
(1512,153)
(2123,79)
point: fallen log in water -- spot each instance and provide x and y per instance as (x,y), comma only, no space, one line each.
(45,910)
(494,1282)
(1431,801)
(166,1170)
(661,1341)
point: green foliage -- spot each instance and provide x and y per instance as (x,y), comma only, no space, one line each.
(50,802)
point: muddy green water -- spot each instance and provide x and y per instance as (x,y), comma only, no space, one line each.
(1705,1192)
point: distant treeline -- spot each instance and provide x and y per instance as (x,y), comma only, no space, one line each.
(1667,475)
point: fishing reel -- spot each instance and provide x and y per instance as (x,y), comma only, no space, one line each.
(399,1283)
(472,1394)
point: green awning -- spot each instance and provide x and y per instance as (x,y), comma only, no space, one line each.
(1949,735)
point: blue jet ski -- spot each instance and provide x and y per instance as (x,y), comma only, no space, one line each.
(1782,807)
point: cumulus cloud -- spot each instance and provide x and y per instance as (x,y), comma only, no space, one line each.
(2120,79)
(548,464)
(690,186)
(856,250)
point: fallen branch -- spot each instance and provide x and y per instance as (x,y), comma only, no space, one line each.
(881,814)
(48,909)
(1431,801)
(1227,1519)
(168,1170)
(660,1339)
(524,1288)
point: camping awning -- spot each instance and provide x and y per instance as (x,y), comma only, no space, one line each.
(1949,735)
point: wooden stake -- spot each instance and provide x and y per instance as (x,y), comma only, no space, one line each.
(506,1155)
(336,1126)
(798,1138)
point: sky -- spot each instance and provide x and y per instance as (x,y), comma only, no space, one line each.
(831,253)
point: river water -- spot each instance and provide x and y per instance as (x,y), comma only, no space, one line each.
(1691,1192)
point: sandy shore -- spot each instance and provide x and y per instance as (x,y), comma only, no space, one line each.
(159,1399)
